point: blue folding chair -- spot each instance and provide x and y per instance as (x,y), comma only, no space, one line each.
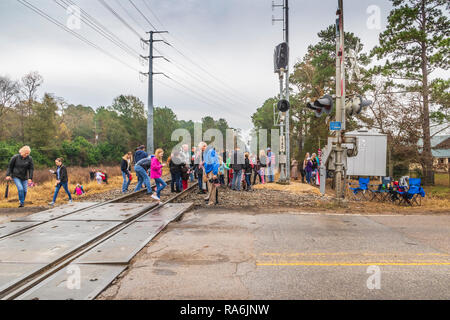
(361,192)
(415,192)
(382,191)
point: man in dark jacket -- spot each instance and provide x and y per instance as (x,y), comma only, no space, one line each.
(140,154)
(175,165)
(237,166)
(20,170)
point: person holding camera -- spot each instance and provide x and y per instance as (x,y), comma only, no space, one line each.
(211,171)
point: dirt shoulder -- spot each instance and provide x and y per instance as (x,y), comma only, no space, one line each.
(299,197)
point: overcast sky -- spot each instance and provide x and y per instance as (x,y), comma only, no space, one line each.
(233,40)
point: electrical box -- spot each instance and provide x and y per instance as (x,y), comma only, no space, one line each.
(371,157)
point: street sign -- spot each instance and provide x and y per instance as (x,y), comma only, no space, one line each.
(335,126)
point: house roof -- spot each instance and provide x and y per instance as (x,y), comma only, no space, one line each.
(436,141)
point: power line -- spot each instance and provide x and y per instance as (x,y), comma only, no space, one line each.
(119,3)
(75,34)
(99,29)
(120,18)
(143,15)
(230,89)
(190,73)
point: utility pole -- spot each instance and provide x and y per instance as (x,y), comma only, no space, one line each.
(150,130)
(284,156)
(287,124)
(340,98)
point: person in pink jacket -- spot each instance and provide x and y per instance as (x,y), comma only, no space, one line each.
(156,172)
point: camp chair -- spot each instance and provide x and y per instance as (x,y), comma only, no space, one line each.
(361,192)
(382,191)
(415,193)
(396,192)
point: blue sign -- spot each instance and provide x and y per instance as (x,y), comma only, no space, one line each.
(335,126)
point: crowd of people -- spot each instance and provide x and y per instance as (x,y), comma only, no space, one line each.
(236,170)
(309,169)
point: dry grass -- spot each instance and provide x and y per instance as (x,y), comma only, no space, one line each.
(42,194)
(294,187)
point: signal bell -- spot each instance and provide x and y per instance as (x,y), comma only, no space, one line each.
(322,105)
(356,105)
(284,105)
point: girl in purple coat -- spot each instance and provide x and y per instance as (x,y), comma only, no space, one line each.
(308,165)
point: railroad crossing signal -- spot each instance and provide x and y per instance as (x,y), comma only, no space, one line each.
(322,105)
(356,105)
(284,105)
(281,57)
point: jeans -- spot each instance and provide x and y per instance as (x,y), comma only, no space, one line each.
(22,188)
(176,181)
(308,176)
(160,185)
(271,177)
(191,176)
(66,189)
(247,180)
(200,181)
(237,177)
(126,182)
(257,174)
(142,179)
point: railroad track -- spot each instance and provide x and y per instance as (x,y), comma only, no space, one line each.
(31,281)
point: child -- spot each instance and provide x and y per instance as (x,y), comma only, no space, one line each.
(248,168)
(99,176)
(79,191)
(62,180)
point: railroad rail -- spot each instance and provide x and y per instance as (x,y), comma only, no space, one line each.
(29,282)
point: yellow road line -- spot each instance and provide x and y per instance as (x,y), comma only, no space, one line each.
(345,264)
(350,253)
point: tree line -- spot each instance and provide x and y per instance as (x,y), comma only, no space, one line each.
(409,103)
(82,135)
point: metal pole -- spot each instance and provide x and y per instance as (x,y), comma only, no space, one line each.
(282,137)
(288,144)
(340,99)
(150,145)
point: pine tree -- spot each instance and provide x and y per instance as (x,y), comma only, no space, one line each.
(415,43)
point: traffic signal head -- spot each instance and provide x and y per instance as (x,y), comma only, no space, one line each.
(322,105)
(284,105)
(356,105)
(281,57)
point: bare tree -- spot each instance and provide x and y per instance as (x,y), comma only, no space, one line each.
(8,98)
(29,85)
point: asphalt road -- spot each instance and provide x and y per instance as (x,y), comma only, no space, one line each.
(235,255)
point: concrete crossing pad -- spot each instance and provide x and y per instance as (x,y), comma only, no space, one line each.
(111,212)
(56,212)
(75,282)
(168,212)
(10,228)
(122,247)
(50,241)
(12,273)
